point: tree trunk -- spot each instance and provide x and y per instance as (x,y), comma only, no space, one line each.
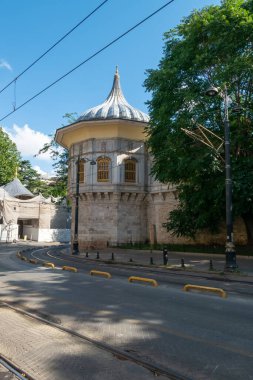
(248,220)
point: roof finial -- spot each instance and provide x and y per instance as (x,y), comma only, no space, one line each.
(115,106)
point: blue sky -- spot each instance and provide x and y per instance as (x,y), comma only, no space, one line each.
(30,27)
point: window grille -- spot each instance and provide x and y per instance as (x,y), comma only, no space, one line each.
(103,169)
(130,171)
(81,172)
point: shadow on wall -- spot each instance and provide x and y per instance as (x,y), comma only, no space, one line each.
(60,235)
(60,225)
(61,219)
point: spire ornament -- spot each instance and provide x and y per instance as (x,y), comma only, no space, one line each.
(115,107)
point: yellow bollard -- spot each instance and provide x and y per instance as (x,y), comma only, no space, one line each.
(220,291)
(99,273)
(143,279)
(71,269)
(49,265)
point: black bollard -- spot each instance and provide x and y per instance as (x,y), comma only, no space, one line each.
(97,255)
(112,256)
(182,263)
(165,256)
(151,261)
(130,260)
(211,265)
(87,254)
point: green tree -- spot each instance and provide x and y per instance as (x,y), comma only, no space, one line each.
(60,165)
(213,46)
(9,158)
(31,179)
(60,157)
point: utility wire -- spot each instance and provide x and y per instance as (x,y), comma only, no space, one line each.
(89,58)
(53,46)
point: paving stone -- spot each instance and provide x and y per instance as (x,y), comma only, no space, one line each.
(47,353)
(5,374)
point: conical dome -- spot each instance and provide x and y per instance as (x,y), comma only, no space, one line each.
(16,189)
(114,107)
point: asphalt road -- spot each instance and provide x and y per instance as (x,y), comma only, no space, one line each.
(200,336)
(235,284)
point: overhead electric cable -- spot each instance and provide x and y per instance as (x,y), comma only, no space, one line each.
(89,58)
(53,46)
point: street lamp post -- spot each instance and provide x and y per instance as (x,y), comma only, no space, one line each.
(230,246)
(75,246)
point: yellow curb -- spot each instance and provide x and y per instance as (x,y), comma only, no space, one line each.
(220,291)
(49,265)
(23,258)
(71,269)
(143,279)
(105,274)
(33,261)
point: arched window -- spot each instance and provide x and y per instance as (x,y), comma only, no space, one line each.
(103,169)
(130,170)
(81,172)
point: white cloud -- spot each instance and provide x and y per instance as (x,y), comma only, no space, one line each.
(5,65)
(44,174)
(40,171)
(29,141)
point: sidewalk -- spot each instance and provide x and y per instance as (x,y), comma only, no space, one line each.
(196,262)
(199,262)
(48,353)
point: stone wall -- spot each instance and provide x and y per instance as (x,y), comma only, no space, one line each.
(114,212)
(109,219)
(162,203)
(97,220)
(132,218)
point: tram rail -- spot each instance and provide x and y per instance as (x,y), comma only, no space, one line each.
(117,353)
(136,268)
(15,370)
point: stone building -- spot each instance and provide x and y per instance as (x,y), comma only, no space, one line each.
(118,200)
(25,216)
